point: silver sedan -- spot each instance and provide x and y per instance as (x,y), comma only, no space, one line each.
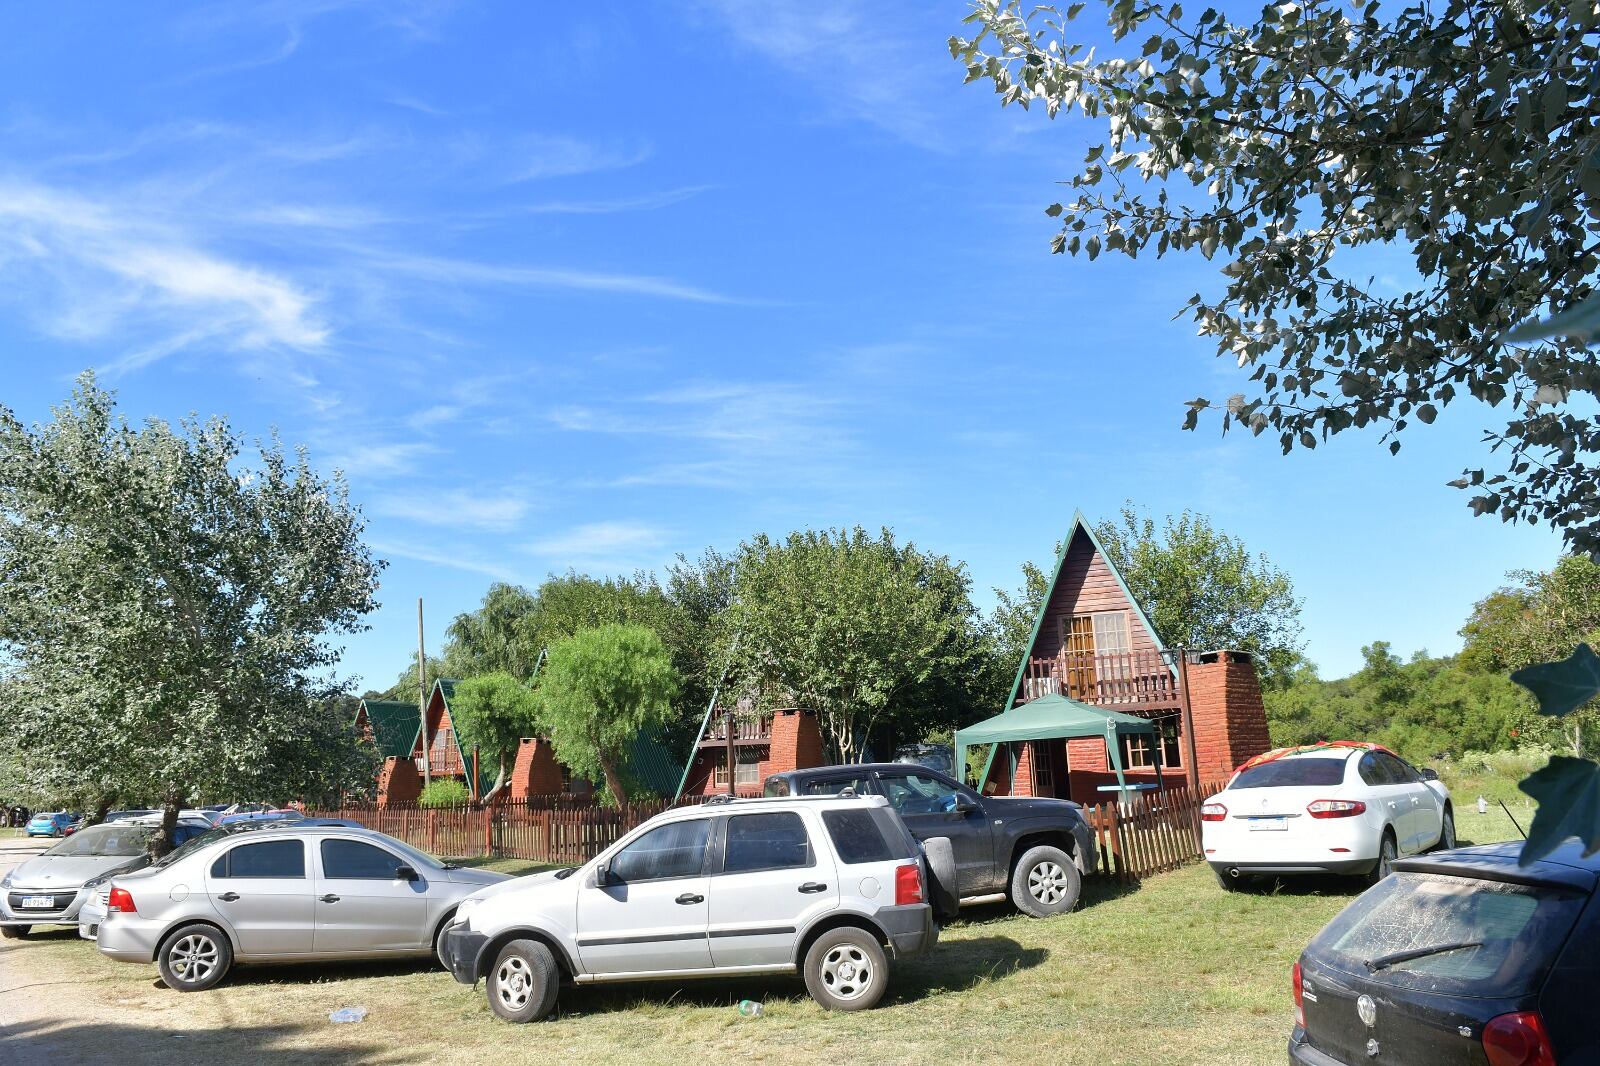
(281,894)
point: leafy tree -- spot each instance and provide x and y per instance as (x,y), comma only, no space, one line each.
(405,686)
(444,792)
(1460,135)
(494,638)
(496,711)
(601,688)
(861,629)
(165,606)
(1203,589)
(1544,616)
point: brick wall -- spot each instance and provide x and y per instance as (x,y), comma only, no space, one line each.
(398,781)
(796,742)
(1230,720)
(535,772)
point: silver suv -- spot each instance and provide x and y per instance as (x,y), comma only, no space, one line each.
(830,887)
(281,894)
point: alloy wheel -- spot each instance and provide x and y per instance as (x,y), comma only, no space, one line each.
(1047,883)
(847,972)
(193,958)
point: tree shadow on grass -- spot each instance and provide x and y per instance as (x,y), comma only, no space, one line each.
(951,967)
(96,1043)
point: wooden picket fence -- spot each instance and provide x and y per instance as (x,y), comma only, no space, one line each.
(1150,833)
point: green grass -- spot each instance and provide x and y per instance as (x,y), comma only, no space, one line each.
(1175,971)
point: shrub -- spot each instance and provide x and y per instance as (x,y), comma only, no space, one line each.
(445,792)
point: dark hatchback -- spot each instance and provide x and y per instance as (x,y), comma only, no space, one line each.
(1460,957)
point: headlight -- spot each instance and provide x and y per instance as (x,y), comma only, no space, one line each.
(465,909)
(6,881)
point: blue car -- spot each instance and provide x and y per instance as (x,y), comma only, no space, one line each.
(56,824)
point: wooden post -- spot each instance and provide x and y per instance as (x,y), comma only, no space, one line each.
(1188,719)
(422,696)
(727,719)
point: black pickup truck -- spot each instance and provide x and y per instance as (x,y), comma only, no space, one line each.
(1034,850)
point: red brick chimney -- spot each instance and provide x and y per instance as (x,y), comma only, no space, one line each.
(398,781)
(796,741)
(536,772)
(1230,721)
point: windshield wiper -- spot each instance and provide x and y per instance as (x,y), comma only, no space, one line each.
(1383,962)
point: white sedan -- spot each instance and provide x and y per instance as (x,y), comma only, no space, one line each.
(1329,809)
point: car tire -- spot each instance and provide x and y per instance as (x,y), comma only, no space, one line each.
(1045,882)
(943,892)
(195,957)
(14,932)
(1388,851)
(1447,831)
(438,939)
(846,969)
(523,982)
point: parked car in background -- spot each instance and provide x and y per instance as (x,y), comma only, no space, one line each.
(118,816)
(1462,957)
(829,888)
(1035,850)
(53,824)
(51,888)
(261,816)
(1341,809)
(281,893)
(940,757)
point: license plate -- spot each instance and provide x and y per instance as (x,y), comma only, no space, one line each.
(39,902)
(1260,825)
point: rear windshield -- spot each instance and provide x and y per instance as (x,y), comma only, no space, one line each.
(1292,772)
(1515,932)
(861,835)
(113,840)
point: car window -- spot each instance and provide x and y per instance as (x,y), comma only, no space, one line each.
(114,839)
(274,858)
(677,849)
(1514,931)
(1374,771)
(775,841)
(352,858)
(1400,771)
(918,793)
(865,836)
(1292,773)
(832,786)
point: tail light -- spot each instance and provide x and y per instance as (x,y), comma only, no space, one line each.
(1299,996)
(907,884)
(1336,808)
(1518,1040)
(121,902)
(1213,812)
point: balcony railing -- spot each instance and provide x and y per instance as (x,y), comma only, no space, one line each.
(1130,681)
(747,729)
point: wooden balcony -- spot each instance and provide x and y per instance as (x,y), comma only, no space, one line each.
(1131,682)
(747,729)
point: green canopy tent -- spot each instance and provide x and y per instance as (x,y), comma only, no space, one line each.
(1056,717)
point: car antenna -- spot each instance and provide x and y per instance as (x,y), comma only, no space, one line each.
(1513,818)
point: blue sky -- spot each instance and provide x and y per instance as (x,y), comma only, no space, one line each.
(589,286)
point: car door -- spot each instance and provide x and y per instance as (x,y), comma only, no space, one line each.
(768,881)
(1387,794)
(650,912)
(930,807)
(363,904)
(1418,802)
(264,891)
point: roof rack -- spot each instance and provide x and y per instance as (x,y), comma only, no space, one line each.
(720,797)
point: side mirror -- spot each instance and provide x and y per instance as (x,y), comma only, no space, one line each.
(602,875)
(965,803)
(405,873)
(1430,774)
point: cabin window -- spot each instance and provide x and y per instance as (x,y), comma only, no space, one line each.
(746,772)
(1171,749)
(1110,632)
(1042,778)
(1138,752)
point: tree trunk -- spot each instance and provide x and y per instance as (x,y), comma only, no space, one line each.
(101,809)
(499,782)
(169,823)
(608,767)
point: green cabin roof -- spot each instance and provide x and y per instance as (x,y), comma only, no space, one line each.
(394,725)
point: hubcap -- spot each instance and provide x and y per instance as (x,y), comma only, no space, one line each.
(514,982)
(847,971)
(193,958)
(1047,882)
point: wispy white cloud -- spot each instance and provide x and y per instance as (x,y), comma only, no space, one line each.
(456,559)
(612,547)
(489,511)
(380,460)
(90,269)
(558,156)
(649,202)
(468,272)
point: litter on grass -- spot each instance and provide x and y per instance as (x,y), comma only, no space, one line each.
(348,1014)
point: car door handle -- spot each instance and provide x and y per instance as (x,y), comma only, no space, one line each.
(690,898)
(228,897)
(329,898)
(813,886)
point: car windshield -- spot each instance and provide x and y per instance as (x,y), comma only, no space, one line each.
(1462,935)
(1291,772)
(418,858)
(114,839)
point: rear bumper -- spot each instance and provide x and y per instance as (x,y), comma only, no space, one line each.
(911,929)
(1303,1054)
(462,949)
(128,938)
(1345,866)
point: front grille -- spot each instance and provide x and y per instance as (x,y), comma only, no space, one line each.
(58,901)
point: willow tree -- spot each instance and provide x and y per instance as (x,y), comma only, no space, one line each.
(167,601)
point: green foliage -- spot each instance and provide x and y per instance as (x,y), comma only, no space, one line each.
(1425,709)
(496,711)
(444,792)
(1459,135)
(494,638)
(600,689)
(1564,686)
(1203,589)
(861,629)
(165,609)
(1568,792)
